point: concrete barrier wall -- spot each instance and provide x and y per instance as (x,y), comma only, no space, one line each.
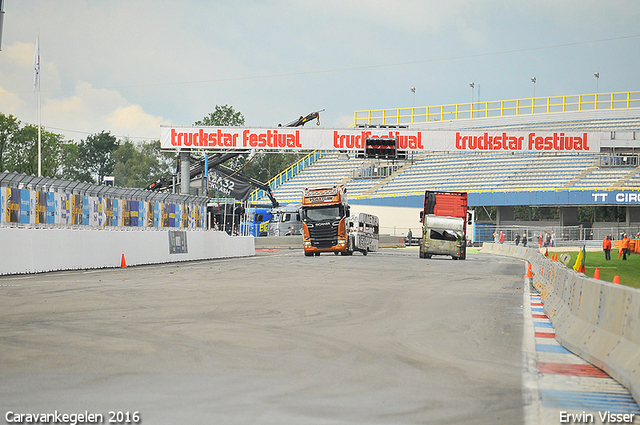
(279,242)
(597,320)
(43,250)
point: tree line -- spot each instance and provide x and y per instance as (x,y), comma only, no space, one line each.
(103,154)
(89,160)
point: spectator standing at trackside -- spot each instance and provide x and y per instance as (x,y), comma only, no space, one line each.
(495,237)
(524,239)
(409,236)
(501,237)
(540,241)
(552,242)
(625,246)
(517,239)
(606,247)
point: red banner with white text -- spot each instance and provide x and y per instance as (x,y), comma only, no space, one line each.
(241,138)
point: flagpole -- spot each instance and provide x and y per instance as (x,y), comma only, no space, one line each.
(39,135)
(39,115)
(36,86)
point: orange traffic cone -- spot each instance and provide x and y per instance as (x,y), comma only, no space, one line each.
(529,272)
(616,280)
(546,253)
(596,275)
(123,264)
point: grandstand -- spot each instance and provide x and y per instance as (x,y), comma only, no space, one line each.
(455,171)
(402,183)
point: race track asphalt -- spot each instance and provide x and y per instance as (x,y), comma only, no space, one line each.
(278,338)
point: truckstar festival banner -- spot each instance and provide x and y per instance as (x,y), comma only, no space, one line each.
(226,138)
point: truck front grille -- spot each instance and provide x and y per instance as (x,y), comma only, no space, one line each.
(323,236)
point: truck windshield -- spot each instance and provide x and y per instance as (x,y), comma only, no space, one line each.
(443,235)
(333,212)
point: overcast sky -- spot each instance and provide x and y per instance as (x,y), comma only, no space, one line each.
(128,66)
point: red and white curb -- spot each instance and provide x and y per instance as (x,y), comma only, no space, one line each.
(560,387)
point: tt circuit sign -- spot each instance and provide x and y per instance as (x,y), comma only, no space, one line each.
(356,140)
(568,197)
(616,198)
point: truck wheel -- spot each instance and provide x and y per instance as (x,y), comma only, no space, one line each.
(336,252)
(454,257)
(317,254)
(427,255)
(364,252)
(308,254)
(420,253)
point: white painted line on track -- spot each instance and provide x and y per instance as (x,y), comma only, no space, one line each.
(530,387)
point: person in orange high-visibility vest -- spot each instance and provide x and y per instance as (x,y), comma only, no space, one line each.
(606,246)
(624,246)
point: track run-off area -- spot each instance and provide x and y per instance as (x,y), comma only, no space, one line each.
(281,338)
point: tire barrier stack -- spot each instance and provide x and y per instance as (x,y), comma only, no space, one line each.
(596,320)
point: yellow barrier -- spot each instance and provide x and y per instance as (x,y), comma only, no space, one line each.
(499,108)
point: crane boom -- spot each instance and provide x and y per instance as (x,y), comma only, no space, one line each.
(216,161)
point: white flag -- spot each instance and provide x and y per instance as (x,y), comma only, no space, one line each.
(36,66)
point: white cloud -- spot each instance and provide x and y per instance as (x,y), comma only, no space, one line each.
(73,113)
(132,120)
(91,110)
(16,81)
(120,66)
(20,53)
(10,102)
